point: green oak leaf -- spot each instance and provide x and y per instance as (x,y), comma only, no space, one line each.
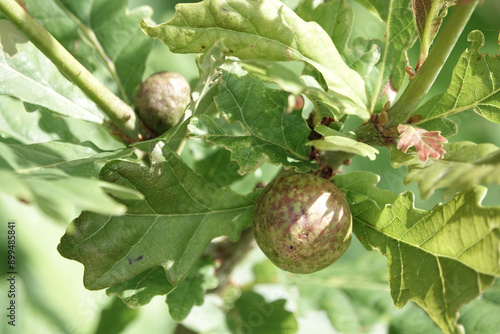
(40,125)
(382,63)
(475,84)
(440,259)
(252,313)
(171,227)
(464,166)
(248,151)
(480,315)
(446,126)
(31,77)
(207,64)
(324,103)
(262,114)
(63,198)
(264,29)
(216,166)
(61,157)
(191,291)
(335,141)
(115,318)
(102,34)
(413,320)
(26,123)
(140,289)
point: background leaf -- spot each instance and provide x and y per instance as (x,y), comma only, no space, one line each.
(263,30)
(261,112)
(28,124)
(60,178)
(253,313)
(464,166)
(215,165)
(475,84)
(191,291)
(139,290)
(353,293)
(115,318)
(31,77)
(441,258)
(56,158)
(39,125)
(171,227)
(103,35)
(479,316)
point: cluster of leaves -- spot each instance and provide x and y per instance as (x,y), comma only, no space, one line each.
(150,236)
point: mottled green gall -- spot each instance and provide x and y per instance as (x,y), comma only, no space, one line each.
(302,222)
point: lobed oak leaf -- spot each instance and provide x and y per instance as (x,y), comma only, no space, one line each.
(427,143)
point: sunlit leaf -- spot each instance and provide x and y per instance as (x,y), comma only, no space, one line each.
(475,84)
(446,126)
(39,125)
(259,30)
(441,258)
(325,104)
(64,158)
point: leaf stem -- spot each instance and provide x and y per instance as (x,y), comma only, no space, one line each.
(89,33)
(120,113)
(230,254)
(418,87)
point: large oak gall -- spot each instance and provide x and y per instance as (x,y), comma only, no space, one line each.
(302,222)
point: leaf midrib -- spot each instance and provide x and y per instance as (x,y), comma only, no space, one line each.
(193,214)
